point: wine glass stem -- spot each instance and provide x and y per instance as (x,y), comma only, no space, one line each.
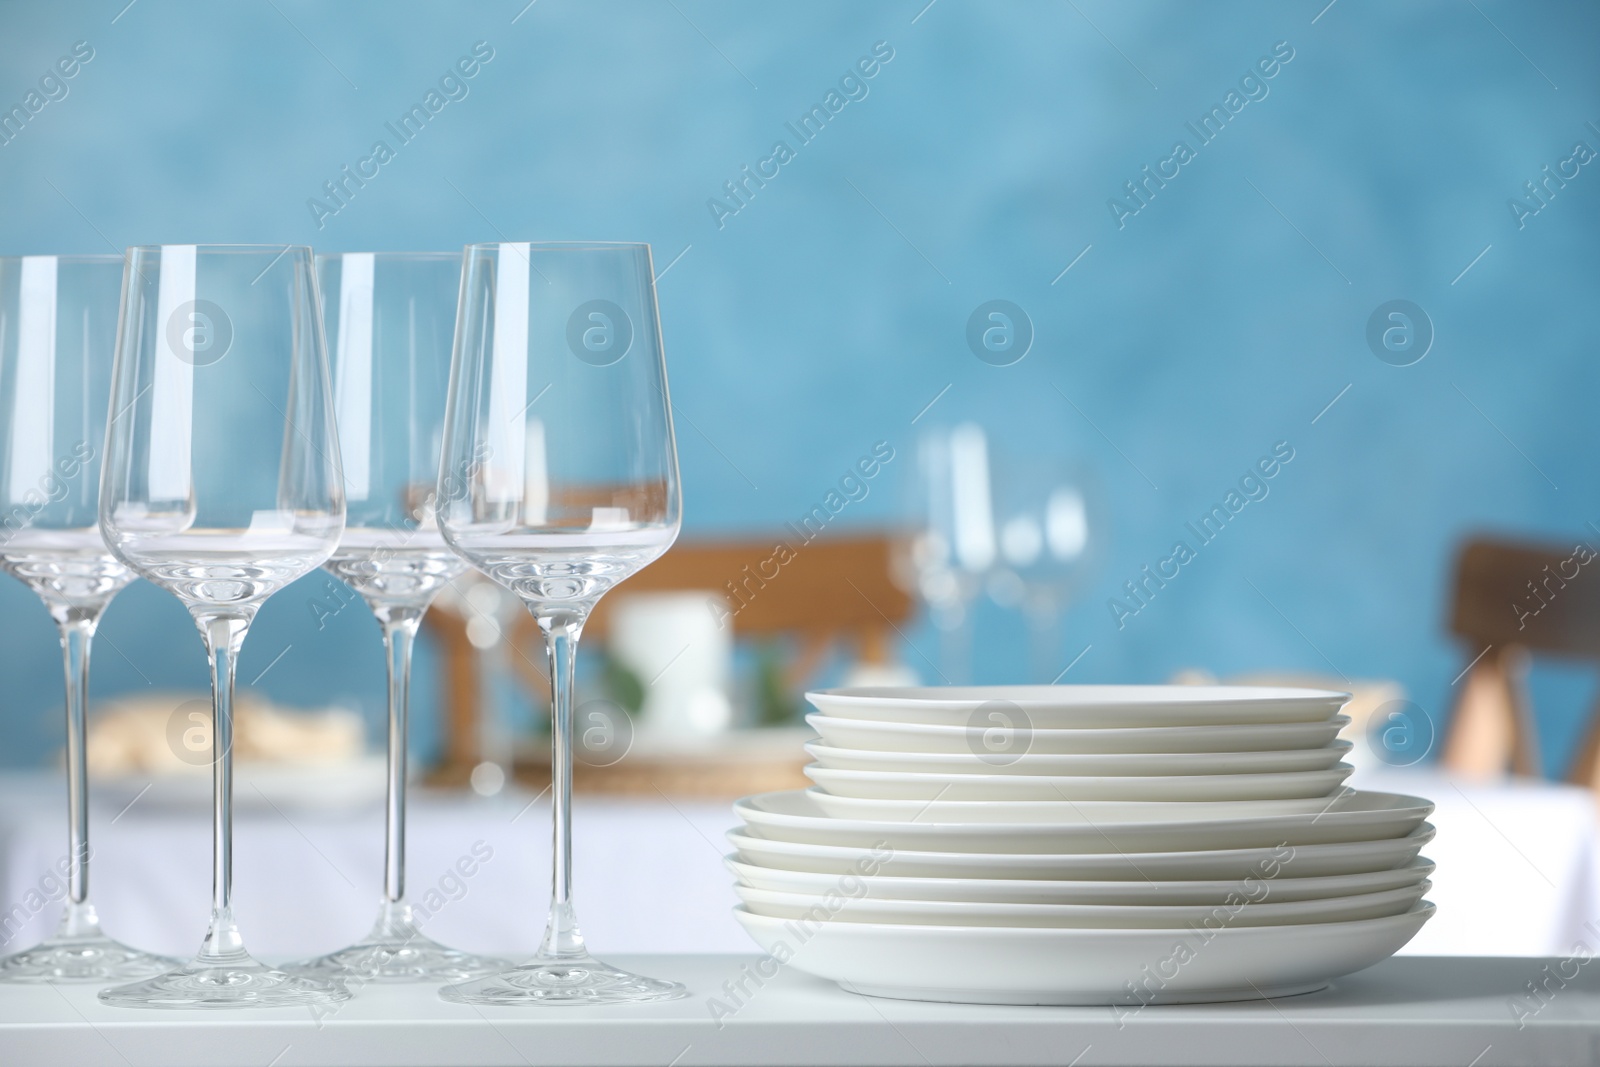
(562,938)
(224,635)
(399,635)
(77,630)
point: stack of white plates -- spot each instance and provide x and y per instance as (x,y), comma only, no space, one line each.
(1120,845)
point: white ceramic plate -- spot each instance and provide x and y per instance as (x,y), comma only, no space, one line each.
(1099,764)
(1280,889)
(1355,815)
(915,785)
(1348,857)
(881,736)
(1058,812)
(1040,707)
(999,965)
(1235,911)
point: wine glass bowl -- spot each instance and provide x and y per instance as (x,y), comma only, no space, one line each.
(559,479)
(950,549)
(219,516)
(1049,533)
(222,484)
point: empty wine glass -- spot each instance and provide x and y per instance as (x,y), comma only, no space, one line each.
(1048,532)
(222,485)
(58,325)
(389,319)
(951,547)
(559,480)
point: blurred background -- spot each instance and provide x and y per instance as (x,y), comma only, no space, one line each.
(1349,325)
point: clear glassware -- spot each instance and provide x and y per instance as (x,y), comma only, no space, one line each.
(951,547)
(559,479)
(58,325)
(389,319)
(222,485)
(1049,532)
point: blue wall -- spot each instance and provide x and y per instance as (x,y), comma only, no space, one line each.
(1219,319)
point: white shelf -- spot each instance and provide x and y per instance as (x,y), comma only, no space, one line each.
(1406,1011)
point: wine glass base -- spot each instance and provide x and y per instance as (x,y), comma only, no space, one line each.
(582,980)
(95,958)
(237,982)
(399,959)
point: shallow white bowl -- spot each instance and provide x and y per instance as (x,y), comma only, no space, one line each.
(882,886)
(916,785)
(1236,910)
(869,734)
(1355,815)
(1039,707)
(1099,764)
(1124,968)
(1343,858)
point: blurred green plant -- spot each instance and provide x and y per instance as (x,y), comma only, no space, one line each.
(620,683)
(775,704)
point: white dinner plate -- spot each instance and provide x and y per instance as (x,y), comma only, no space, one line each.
(1059,812)
(1237,910)
(1355,815)
(1123,968)
(1343,858)
(1098,764)
(917,785)
(1039,707)
(869,734)
(1259,884)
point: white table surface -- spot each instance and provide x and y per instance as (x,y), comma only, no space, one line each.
(1410,1011)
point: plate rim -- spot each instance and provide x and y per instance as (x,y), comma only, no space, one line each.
(1038,828)
(1424,908)
(1424,830)
(1202,696)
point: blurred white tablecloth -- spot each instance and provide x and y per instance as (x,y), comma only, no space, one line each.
(649,875)
(1516,865)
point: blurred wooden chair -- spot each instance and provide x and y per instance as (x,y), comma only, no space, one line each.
(832,591)
(1512,601)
